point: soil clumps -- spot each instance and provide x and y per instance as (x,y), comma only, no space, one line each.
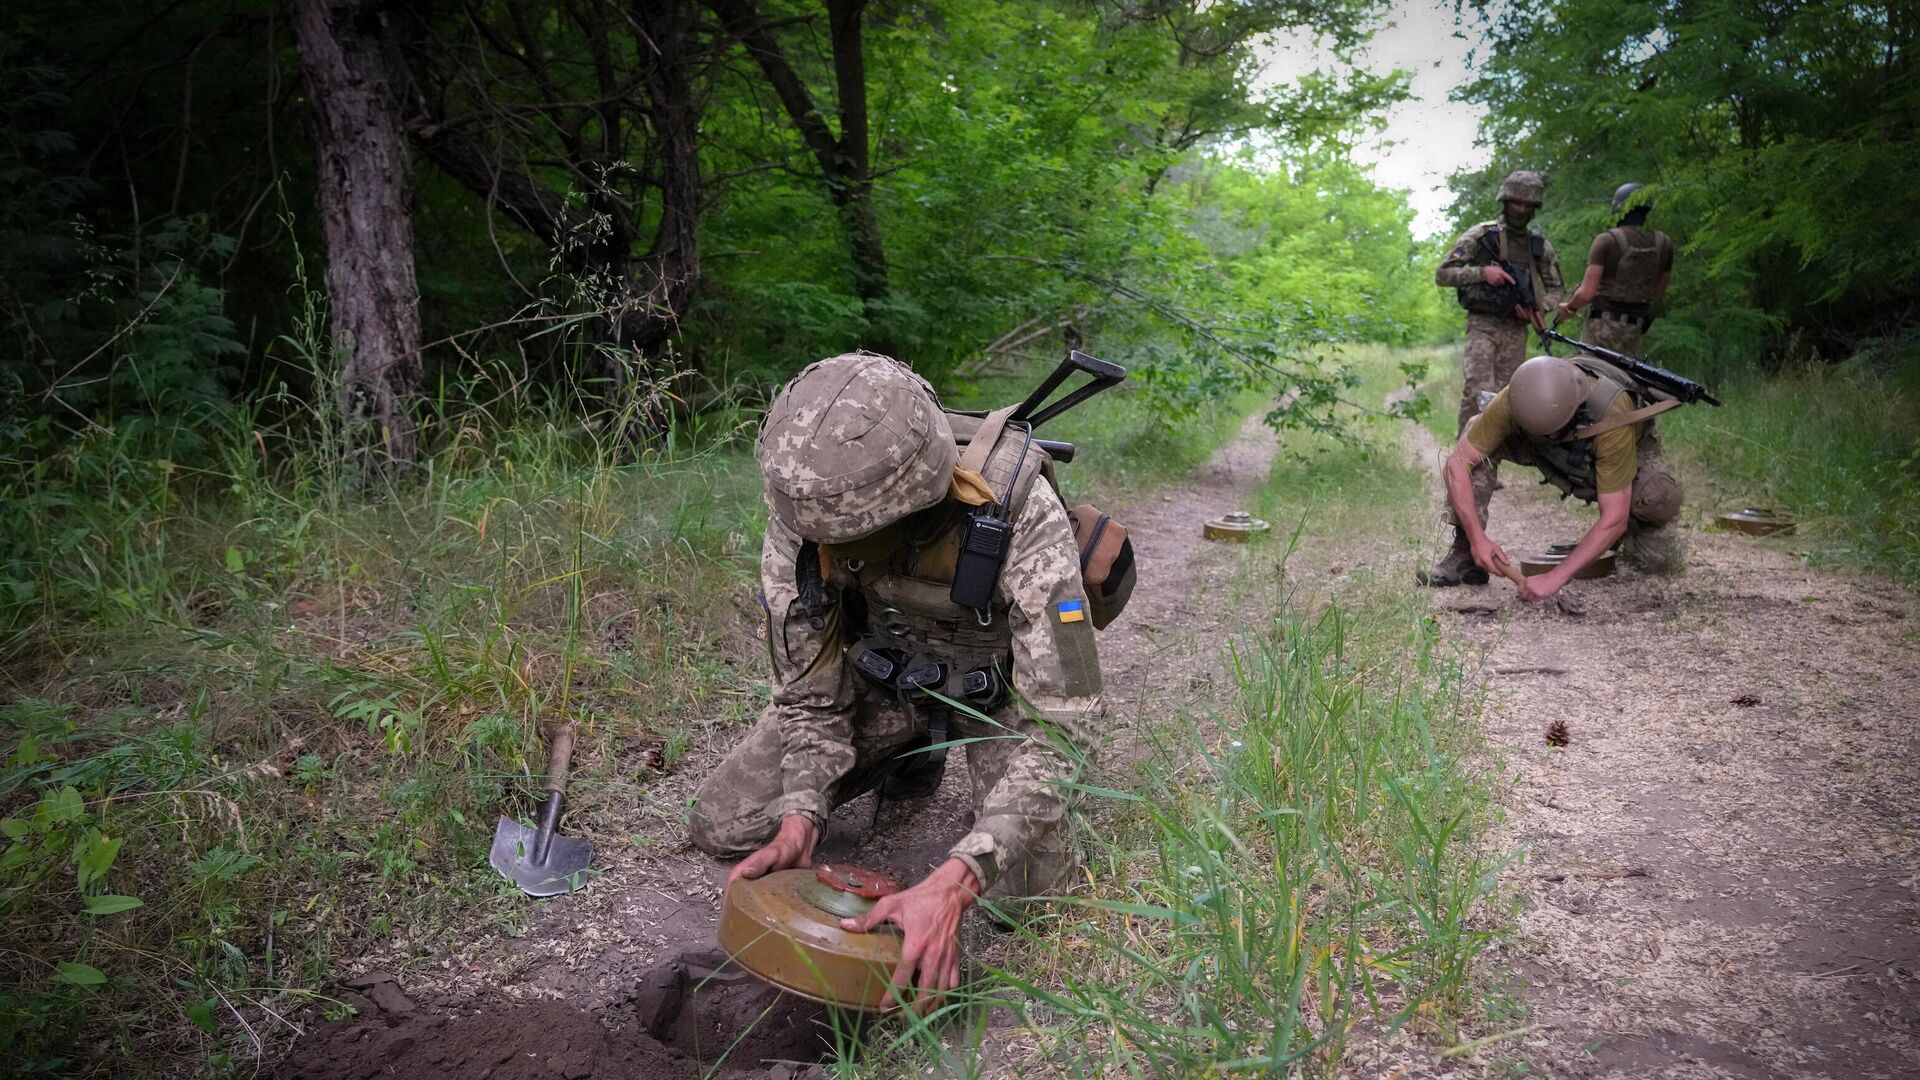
(693,1017)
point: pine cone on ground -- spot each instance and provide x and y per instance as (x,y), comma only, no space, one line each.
(1557,733)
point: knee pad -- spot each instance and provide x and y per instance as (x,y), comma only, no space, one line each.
(1656,497)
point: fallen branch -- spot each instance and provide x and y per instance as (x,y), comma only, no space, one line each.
(1466,1048)
(1622,872)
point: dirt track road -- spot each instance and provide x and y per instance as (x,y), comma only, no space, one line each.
(1719,873)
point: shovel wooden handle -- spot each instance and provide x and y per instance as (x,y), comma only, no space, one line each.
(560,758)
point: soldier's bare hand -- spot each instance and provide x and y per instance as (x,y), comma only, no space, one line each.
(928,916)
(1539,587)
(1490,557)
(1495,274)
(791,847)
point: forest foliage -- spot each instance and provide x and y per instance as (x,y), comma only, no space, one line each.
(922,178)
(1777,140)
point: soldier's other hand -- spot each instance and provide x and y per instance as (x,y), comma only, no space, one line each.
(1495,274)
(1490,557)
(1539,587)
(928,916)
(791,847)
(1565,312)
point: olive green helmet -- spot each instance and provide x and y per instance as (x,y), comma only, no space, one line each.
(853,444)
(1624,192)
(1544,394)
(1523,185)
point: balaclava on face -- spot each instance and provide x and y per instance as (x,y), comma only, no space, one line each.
(1520,220)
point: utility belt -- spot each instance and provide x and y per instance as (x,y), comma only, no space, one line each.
(880,660)
(1632,316)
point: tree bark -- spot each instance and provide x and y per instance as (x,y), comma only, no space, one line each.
(854,183)
(365,181)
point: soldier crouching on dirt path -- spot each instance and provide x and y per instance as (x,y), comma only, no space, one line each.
(1579,421)
(1478,267)
(868,496)
(1628,270)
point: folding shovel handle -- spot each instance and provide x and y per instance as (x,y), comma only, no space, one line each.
(561,756)
(557,763)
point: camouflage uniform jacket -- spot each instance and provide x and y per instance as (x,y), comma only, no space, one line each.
(1038,626)
(1465,261)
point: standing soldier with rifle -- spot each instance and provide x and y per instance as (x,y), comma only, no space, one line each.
(1506,273)
(1628,270)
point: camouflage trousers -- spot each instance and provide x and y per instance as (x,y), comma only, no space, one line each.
(1495,346)
(730,815)
(1616,334)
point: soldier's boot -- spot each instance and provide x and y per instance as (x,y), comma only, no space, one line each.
(1456,568)
(1658,550)
(918,772)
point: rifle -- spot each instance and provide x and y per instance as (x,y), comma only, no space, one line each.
(1659,378)
(1500,299)
(1101,374)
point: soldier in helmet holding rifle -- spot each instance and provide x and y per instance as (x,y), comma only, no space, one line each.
(878,621)
(1505,274)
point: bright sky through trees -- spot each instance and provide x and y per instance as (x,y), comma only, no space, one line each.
(1428,137)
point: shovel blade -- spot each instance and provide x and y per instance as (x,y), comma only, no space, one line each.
(564,871)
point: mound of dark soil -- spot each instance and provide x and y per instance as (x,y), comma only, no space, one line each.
(694,1016)
(550,1040)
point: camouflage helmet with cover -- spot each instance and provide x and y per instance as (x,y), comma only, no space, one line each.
(1624,192)
(1523,185)
(1544,394)
(853,444)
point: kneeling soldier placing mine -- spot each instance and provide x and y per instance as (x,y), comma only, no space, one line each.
(1587,424)
(914,559)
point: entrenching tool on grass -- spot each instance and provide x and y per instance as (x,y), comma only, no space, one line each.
(539,861)
(785,928)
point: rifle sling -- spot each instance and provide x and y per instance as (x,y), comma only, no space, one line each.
(980,447)
(1632,417)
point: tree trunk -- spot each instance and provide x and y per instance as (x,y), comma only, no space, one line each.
(853,184)
(365,188)
(846,159)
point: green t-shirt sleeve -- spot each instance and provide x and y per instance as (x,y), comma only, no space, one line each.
(1615,453)
(1492,426)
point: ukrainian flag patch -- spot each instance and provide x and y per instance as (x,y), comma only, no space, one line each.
(1072,610)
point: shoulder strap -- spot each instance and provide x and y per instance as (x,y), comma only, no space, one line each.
(1490,243)
(988,433)
(1632,416)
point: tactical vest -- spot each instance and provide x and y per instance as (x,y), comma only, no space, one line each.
(1567,463)
(1484,299)
(909,611)
(1636,276)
